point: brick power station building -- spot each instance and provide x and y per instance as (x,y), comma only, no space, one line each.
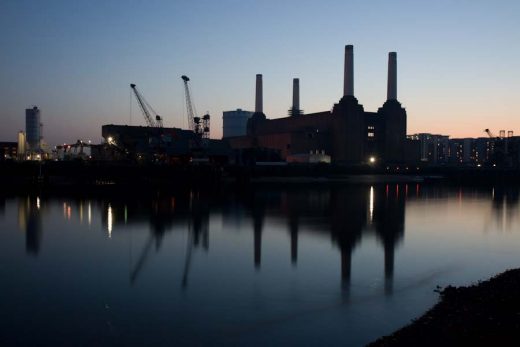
(348,133)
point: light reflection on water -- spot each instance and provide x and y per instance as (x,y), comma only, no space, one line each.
(335,265)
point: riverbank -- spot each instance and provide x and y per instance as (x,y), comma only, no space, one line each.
(484,314)
(124,174)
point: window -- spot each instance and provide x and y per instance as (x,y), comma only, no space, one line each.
(370,134)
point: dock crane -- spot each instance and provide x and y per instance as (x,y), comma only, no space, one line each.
(501,136)
(500,146)
(199,125)
(490,134)
(189,105)
(147,109)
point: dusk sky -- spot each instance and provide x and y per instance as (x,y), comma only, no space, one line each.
(458,61)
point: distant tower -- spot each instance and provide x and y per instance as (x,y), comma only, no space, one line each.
(348,80)
(259,116)
(394,116)
(295,109)
(348,130)
(259,100)
(32,128)
(392,76)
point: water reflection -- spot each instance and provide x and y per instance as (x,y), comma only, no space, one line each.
(389,223)
(343,213)
(30,222)
(2,205)
(504,204)
(339,264)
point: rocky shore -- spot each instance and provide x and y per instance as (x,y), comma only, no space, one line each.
(484,314)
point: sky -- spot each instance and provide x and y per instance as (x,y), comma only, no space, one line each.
(458,61)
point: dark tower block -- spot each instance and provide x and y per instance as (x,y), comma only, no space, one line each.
(394,131)
(394,116)
(348,131)
(348,118)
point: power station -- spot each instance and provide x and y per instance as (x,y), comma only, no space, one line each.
(344,135)
(348,133)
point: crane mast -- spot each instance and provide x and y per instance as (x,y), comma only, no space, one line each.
(189,105)
(199,125)
(147,109)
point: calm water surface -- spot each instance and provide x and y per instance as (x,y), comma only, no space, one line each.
(331,265)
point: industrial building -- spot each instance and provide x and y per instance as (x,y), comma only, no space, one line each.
(234,123)
(8,150)
(33,129)
(159,144)
(347,134)
(146,142)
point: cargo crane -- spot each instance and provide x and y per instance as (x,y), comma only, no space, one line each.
(189,106)
(199,125)
(490,134)
(500,147)
(147,109)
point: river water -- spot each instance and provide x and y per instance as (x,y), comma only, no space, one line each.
(288,265)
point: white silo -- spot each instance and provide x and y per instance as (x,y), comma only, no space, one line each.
(21,145)
(235,123)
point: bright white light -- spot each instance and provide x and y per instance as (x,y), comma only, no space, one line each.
(38,202)
(110,140)
(372,160)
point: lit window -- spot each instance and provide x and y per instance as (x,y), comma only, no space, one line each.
(370,134)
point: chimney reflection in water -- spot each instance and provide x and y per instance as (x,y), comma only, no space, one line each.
(109,220)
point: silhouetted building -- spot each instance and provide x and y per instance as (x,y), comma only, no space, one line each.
(234,123)
(433,148)
(462,151)
(33,128)
(484,148)
(8,150)
(150,143)
(145,142)
(348,133)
